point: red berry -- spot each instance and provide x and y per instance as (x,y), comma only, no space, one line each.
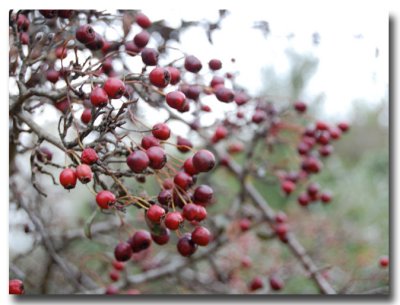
(173,220)
(259,116)
(326,197)
(201,236)
(15,286)
(311,165)
(44,154)
(114,87)
(157,157)
(320,125)
(185,245)
(313,189)
(189,167)
(65,13)
(323,138)
(99,97)
(203,160)
(131,48)
(149,56)
(138,161)
(111,290)
(155,213)
(24,38)
(300,107)
(201,213)
(384,261)
(303,148)
(96,44)
(52,76)
(176,99)
(48,13)
(193,92)
(105,199)
(114,275)
(68,178)
(344,126)
(224,94)
(275,283)
(118,265)
(281,230)
(244,224)
(164,197)
(89,156)
(160,77)
(84,173)
(203,193)
(183,180)
(246,262)
(61,52)
(241,98)
(149,141)
(288,187)
(335,133)
(190,211)
(168,184)
(215,64)
(86,116)
(161,131)
(23,23)
(175,75)
(220,133)
(141,39)
(325,150)
(141,240)
(280,217)
(183,145)
(142,20)
(162,237)
(303,199)
(256,283)
(192,64)
(123,252)
(63,105)
(85,34)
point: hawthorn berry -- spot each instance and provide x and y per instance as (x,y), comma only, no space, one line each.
(244,224)
(192,64)
(384,261)
(183,180)
(99,97)
(320,125)
(105,199)
(111,290)
(275,282)
(48,14)
(118,265)
(131,48)
(173,220)
(288,187)
(15,286)
(201,213)
(186,247)
(84,173)
(175,75)
(123,252)
(157,157)
(161,131)
(281,229)
(313,188)
(114,275)
(280,217)
(86,116)
(89,156)
(201,236)
(224,94)
(203,160)
(215,64)
(85,34)
(160,77)
(61,52)
(193,92)
(190,211)
(175,99)
(164,197)
(68,178)
(63,105)
(303,199)
(259,116)
(300,106)
(138,161)
(256,284)
(155,213)
(24,38)
(141,39)
(65,13)
(44,154)
(162,237)
(325,197)
(183,145)
(241,98)
(325,150)
(150,56)
(189,167)
(52,75)
(142,20)
(141,240)
(23,23)
(114,88)
(149,141)
(203,193)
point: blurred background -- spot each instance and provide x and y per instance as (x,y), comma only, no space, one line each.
(337,65)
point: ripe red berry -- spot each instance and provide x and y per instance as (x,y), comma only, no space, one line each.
(84,173)
(183,180)
(48,13)
(114,275)
(303,199)
(246,262)
(300,106)
(288,187)
(313,189)
(189,167)
(141,240)
(303,148)
(175,75)
(203,193)
(114,88)
(244,224)
(96,44)
(44,154)
(89,156)
(173,220)
(220,133)
(323,138)
(325,150)
(123,252)
(157,157)
(149,56)
(149,141)
(201,213)
(23,23)
(118,265)
(190,211)
(259,116)
(241,98)
(311,165)
(325,197)
(131,48)
(24,38)
(176,99)
(203,160)
(68,178)
(63,105)
(320,125)
(162,237)
(99,97)
(160,77)
(344,126)
(138,161)
(384,261)
(142,20)
(52,75)
(256,283)
(161,131)
(186,247)
(65,13)
(280,217)
(168,184)
(201,236)
(215,64)
(281,229)
(111,290)
(275,283)
(183,145)
(141,39)
(85,34)
(224,94)
(192,64)
(155,213)
(335,133)
(86,116)
(15,286)
(105,199)
(61,52)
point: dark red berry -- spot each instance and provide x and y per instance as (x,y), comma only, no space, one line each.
(63,105)
(48,13)
(114,87)
(161,131)
(193,92)
(85,34)
(384,261)
(244,224)
(52,76)
(149,56)
(288,187)
(24,38)
(275,283)
(138,161)
(89,156)
(183,180)
(86,116)
(65,13)
(281,229)
(192,64)
(157,157)
(164,197)
(105,199)
(168,184)
(256,283)
(61,52)
(215,64)
(344,127)
(313,189)
(203,193)
(224,94)
(173,220)
(201,213)
(175,75)
(311,165)
(142,20)
(183,145)
(335,133)
(160,77)
(259,116)
(114,274)
(44,154)
(68,178)
(325,197)
(141,240)
(220,133)
(186,247)
(123,252)
(303,199)
(23,23)
(99,97)
(190,211)
(96,44)
(325,150)
(176,99)
(141,39)
(201,236)
(241,98)
(280,217)
(300,106)
(203,160)
(84,173)
(131,48)
(149,141)
(162,237)
(189,167)
(155,213)
(320,125)
(118,265)
(15,286)
(324,138)
(111,290)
